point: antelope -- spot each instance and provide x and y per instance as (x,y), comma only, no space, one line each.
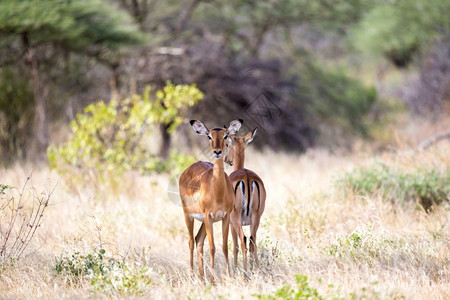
(207,194)
(250,198)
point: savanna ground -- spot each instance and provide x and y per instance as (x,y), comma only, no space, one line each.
(132,243)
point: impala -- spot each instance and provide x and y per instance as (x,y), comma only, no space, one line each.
(207,194)
(250,198)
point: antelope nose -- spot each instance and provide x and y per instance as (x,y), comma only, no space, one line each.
(218,152)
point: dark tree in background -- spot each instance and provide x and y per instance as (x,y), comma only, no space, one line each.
(40,30)
(243,55)
(285,66)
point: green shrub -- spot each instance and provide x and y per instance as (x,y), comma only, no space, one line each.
(302,290)
(79,265)
(426,186)
(105,274)
(107,138)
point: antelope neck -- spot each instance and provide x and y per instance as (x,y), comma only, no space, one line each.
(218,169)
(239,158)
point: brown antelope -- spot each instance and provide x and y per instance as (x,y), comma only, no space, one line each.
(250,198)
(207,194)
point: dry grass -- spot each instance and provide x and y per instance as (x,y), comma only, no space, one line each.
(348,246)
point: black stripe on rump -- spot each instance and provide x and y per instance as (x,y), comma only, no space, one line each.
(236,187)
(249,192)
(259,193)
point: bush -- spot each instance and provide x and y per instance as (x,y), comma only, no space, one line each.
(105,274)
(426,186)
(107,139)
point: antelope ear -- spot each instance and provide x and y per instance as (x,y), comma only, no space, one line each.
(199,127)
(248,138)
(234,126)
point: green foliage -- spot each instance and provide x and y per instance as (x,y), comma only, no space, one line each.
(301,291)
(336,99)
(258,18)
(427,186)
(397,29)
(105,274)
(75,25)
(108,138)
(79,264)
(171,100)
(3,188)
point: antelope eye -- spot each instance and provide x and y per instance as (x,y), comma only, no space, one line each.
(209,137)
(225,137)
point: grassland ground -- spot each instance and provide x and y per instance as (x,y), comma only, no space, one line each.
(97,244)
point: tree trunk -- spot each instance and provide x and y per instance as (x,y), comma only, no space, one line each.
(165,142)
(114,81)
(41,135)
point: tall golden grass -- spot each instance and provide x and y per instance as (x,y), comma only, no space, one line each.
(348,246)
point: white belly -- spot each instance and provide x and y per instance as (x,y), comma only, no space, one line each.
(217,216)
(199,217)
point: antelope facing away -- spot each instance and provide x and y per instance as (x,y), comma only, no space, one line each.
(207,194)
(250,198)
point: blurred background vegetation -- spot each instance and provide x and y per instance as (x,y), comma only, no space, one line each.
(332,71)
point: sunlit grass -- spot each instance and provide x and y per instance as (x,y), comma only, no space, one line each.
(346,245)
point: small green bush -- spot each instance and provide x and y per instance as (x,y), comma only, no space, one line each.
(107,138)
(79,265)
(105,274)
(302,290)
(426,186)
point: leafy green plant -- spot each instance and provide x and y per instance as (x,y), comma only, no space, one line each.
(301,290)
(3,188)
(105,274)
(427,186)
(107,138)
(79,265)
